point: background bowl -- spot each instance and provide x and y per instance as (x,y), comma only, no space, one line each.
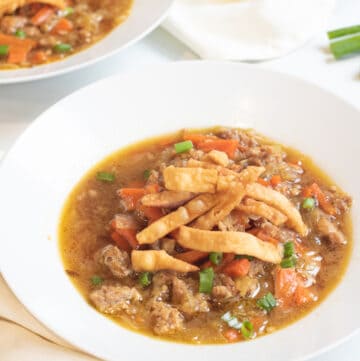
(145,15)
(69,138)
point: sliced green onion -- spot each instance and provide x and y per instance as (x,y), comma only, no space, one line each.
(105,176)
(289,262)
(247,329)
(20,34)
(183,146)
(145,279)
(289,249)
(146,174)
(215,257)
(96,280)
(226,317)
(333,34)
(348,46)
(67,11)
(206,280)
(231,320)
(62,48)
(308,203)
(4,49)
(267,303)
(242,256)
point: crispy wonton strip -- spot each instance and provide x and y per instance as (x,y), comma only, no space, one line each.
(183,215)
(228,201)
(253,207)
(218,157)
(167,199)
(229,242)
(143,261)
(279,201)
(190,179)
(248,175)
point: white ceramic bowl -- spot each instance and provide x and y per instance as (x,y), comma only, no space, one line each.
(61,145)
(144,17)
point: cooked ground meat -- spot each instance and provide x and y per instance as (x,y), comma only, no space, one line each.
(161,283)
(224,288)
(9,24)
(165,319)
(330,231)
(116,260)
(115,299)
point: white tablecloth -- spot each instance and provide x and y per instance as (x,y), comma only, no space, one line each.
(21,104)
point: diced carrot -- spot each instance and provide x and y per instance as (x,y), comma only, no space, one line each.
(130,236)
(263,182)
(18,48)
(303,295)
(231,335)
(275,180)
(42,15)
(192,256)
(152,188)
(315,191)
(39,57)
(198,138)
(120,241)
(151,213)
(229,146)
(265,237)
(131,196)
(17,55)
(258,323)
(62,26)
(237,268)
(285,285)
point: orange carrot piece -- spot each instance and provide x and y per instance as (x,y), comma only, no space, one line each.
(275,180)
(17,55)
(120,242)
(303,295)
(265,237)
(151,213)
(315,191)
(131,196)
(18,48)
(130,236)
(258,323)
(152,188)
(285,285)
(42,15)
(263,182)
(192,256)
(231,335)
(198,138)
(237,268)
(39,57)
(229,146)
(62,26)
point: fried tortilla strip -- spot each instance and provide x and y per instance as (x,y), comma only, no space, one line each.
(229,242)
(183,215)
(151,261)
(167,199)
(280,202)
(228,201)
(197,180)
(253,207)
(248,175)
(218,157)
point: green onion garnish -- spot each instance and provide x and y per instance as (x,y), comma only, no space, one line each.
(308,203)
(4,49)
(62,48)
(289,262)
(289,249)
(96,280)
(206,280)
(146,174)
(215,257)
(347,46)
(183,146)
(105,176)
(231,320)
(145,279)
(242,256)
(67,11)
(247,329)
(267,303)
(20,34)
(333,34)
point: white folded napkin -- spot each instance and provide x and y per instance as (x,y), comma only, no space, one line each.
(247,30)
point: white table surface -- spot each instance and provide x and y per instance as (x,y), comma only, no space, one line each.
(21,104)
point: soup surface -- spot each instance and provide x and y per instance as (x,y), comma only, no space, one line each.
(206,237)
(39,33)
